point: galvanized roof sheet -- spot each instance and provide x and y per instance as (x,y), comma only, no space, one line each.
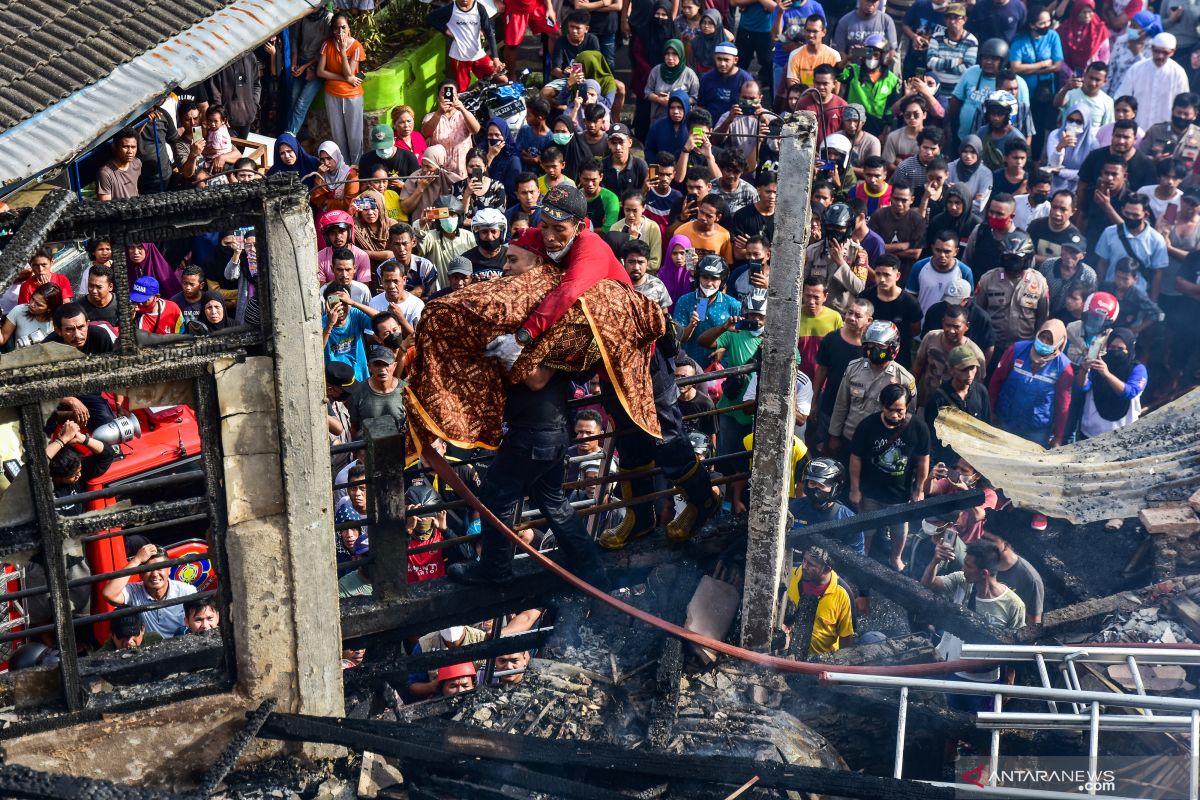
(1155,460)
(71,72)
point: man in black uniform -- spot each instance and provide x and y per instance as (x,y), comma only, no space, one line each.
(531,462)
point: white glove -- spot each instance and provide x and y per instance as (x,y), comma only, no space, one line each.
(505,349)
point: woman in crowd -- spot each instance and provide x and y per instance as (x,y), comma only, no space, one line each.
(503,159)
(669,76)
(1084,38)
(1112,386)
(371,224)
(215,318)
(404,127)
(146,259)
(1124,107)
(566,137)
(30,323)
(595,68)
(338,65)
(478,189)
(451,126)
(332,191)
(634,222)
(291,157)
(676,272)
(228,252)
(1068,146)
(969,174)
(704,46)
(434,179)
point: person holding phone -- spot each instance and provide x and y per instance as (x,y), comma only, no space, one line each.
(706,307)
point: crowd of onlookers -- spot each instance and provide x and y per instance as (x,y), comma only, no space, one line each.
(1004,220)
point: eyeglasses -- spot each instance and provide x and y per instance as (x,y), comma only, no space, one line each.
(913,114)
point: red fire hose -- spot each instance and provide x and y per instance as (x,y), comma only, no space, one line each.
(443,470)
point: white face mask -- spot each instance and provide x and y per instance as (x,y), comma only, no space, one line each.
(557,255)
(1073,127)
(872,63)
(708,291)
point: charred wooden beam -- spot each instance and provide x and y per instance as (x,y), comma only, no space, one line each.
(1084,617)
(34,231)
(673,586)
(233,751)
(385,498)
(915,648)
(28,784)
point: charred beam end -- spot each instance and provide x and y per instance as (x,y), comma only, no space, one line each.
(1083,616)
(22,782)
(233,751)
(908,593)
(385,496)
(432,741)
(33,233)
(915,648)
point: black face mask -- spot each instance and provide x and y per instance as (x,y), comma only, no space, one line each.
(1116,359)
(821,498)
(1179,123)
(393,340)
(1038,198)
(1134,225)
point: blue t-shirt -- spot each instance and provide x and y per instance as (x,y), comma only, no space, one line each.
(988,20)
(718,92)
(804,515)
(798,14)
(528,140)
(972,89)
(720,308)
(1027,50)
(346,342)
(921,16)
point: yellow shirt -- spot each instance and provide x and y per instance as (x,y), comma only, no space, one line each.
(801,63)
(833,621)
(799,451)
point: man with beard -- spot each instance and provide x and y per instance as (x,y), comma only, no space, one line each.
(487,256)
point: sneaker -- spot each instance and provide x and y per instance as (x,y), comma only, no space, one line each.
(1039,522)
(473,573)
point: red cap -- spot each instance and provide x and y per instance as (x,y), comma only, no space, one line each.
(466,668)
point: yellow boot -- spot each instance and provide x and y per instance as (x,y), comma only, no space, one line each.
(700,505)
(639,521)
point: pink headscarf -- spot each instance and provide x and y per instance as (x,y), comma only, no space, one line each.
(678,280)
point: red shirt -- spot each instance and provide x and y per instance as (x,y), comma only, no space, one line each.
(429,565)
(829,120)
(60,281)
(589,261)
(165,318)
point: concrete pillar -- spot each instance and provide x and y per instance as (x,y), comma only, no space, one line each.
(299,378)
(771,463)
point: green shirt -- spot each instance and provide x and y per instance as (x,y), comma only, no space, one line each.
(740,348)
(605,203)
(872,96)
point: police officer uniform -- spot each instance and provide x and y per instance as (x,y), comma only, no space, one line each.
(1017,308)
(858,394)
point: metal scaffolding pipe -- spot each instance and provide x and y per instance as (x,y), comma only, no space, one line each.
(1094,654)
(1076,722)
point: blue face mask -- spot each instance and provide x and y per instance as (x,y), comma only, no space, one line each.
(756,331)
(1043,349)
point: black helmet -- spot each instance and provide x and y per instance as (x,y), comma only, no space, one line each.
(712,266)
(995,48)
(829,475)
(33,654)
(420,494)
(1016,251)
(837,216)
(881,342)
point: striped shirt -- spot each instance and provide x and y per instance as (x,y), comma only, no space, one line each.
(949,60)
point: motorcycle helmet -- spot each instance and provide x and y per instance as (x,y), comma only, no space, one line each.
(1016,251)
(1100,312)
(33,654)
(994,48)
(756,302)
(830,476)
(712,266)
(838,219)
(489,218)
(420,495)
(881,342)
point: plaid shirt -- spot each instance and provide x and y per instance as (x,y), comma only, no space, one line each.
(743,195)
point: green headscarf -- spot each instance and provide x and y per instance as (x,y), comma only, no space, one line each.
(596,68)
(670,75)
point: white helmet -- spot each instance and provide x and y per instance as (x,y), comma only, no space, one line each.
(489,218)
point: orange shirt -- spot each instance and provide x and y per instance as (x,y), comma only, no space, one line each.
(717,242)
(801,63)
(333,63)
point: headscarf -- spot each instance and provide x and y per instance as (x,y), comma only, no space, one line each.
(1110,404)
(1058,336)
(678,280)
(658,32)
(372,237)
(506,166)
(225,322)
(1079,41)
(668,74)
(1086,142)
(341,173)
(305,164)
(218,259)
(155,266)
(577,153)
(964,223)
(596,68)
(704,46)
(961,170)
(443,183)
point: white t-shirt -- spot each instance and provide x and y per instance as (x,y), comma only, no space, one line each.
(464,35)
(804,396)
(166,622)
(26,329)
(359,292)
(1159,207)
(1025,213)
(411,306)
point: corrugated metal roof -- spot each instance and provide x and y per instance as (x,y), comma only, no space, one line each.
(1153,461)
(71,72)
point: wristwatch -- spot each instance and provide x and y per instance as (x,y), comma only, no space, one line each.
(523,337)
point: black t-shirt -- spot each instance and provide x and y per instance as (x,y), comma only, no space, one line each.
(542,410)
(834,354)
(602,22)
(191,311)
(402,162)
(485,266)
(980,331)
(904,311)
(1141,169)
(700,402)
(633,177)
(976,404)
(888,457)
(749,222)
(96,314)
(98,341)
(1048,242)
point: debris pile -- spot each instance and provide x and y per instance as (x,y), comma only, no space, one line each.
(1145,625)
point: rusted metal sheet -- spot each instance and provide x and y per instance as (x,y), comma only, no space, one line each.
(1155,460)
